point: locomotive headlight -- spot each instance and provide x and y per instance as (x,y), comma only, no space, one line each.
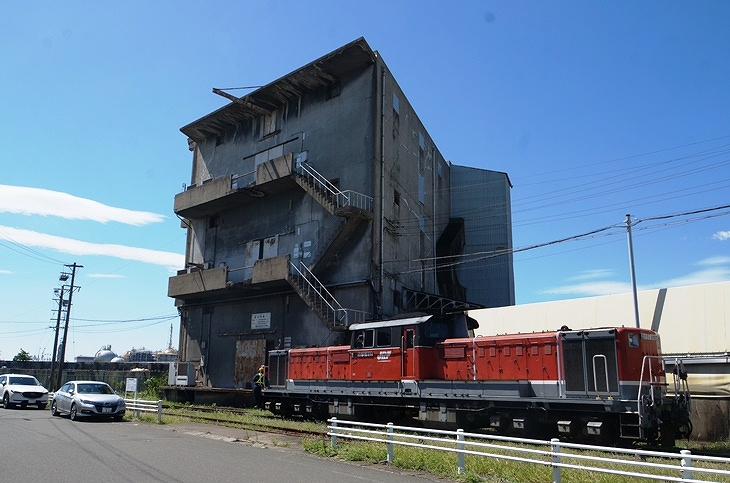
(633,340)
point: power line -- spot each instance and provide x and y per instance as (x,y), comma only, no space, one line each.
(454,260)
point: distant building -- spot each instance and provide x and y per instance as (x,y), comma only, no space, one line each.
(139,355)
(320,200)
(168,355)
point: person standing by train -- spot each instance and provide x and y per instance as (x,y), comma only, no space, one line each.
(260,381)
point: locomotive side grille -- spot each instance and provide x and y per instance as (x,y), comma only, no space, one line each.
(602,354)
(589,361)
(574,366)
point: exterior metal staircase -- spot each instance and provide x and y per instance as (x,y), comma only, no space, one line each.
(320,300)
(349,204)
(355,208)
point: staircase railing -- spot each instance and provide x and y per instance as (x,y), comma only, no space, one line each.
(321,301)
(317,296)
(338,197)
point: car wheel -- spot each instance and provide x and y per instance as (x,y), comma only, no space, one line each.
(54,409)
(6,401)
(73,414)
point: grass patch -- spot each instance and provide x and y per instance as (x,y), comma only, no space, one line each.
(492,469)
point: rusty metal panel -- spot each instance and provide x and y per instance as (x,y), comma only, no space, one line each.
(250,354)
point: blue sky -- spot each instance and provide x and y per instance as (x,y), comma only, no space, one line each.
(594,109)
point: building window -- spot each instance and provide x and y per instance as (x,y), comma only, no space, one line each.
(269,123)
(421,188)
(396,116)
(421,152)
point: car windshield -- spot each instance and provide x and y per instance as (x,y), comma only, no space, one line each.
(24,381)
(94,389)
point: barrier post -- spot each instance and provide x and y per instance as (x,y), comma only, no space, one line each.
(333,441)
(390,443)
(555,450)
(460,450)
(159,411)
(686,462)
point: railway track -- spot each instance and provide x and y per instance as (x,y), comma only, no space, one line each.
(237,417)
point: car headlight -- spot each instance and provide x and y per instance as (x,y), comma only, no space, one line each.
(86,401)
(122,403)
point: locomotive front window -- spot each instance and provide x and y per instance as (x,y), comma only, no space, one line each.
(363,338)
(383,337)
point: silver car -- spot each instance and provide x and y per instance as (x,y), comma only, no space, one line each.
(22,390)
(88,399)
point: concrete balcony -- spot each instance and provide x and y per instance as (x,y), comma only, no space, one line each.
(215,195)
(198,283)
(188,283)
(271,270)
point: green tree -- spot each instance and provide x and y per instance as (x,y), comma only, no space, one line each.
(22,356)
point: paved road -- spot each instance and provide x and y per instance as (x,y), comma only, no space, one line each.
(38,447)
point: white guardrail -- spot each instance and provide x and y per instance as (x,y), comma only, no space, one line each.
(543,452)
(142,406)
(137,405)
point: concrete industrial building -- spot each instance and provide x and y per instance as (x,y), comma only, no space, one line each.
(320,200)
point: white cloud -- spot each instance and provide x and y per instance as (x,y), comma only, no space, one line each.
(593,274)
(710,275)
(77,247)
(105,275)
(590,289)
(5,272)
(721,235)
(712,261)
(36,201)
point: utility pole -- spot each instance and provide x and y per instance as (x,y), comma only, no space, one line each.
(59,292)
(633,272)
(62,355)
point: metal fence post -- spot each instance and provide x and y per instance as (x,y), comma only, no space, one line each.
(686,462)
(390,443)
(159,411)
(136,406)
(555,450)
(460,450)
(333,441)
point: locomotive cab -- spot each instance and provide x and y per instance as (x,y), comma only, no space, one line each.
(425,330)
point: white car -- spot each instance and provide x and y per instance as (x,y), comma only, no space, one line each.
(88,399)
(22,390)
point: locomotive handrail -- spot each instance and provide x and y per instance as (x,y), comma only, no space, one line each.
(605,370)
(646,360)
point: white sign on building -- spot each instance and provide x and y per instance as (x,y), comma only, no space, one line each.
(261,321)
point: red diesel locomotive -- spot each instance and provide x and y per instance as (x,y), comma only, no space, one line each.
(604,385)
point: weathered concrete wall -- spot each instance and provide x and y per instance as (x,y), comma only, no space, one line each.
(710,419)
